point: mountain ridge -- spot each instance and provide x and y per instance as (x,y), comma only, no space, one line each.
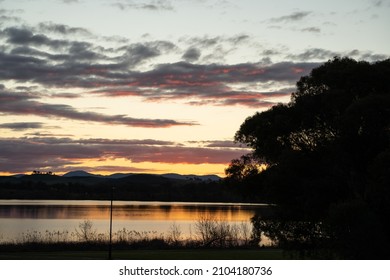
(176,176)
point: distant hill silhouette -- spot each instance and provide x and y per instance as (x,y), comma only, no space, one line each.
(191,177)
(80,173)
(80,184)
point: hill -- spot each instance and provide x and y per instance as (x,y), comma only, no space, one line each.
(191,177)
(148,187)
(80,173)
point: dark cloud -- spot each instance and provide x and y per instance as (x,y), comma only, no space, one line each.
(47,134)
(210,83)
(62,29)
(269,52)
(218,144)
(19,126)
(24,36)
(187,74)
(138,53)
(75,64)
(28,51)
(23,104)
(296,16)
(215,48)
(145,142)
(21,155)
(73,53)
(192,54)
(238,39)
(205,41)
(83,51)
(319,54)
(109,168)
(79,64)
(66,95)
(312,29)
(155,5)
(209,42)
(57,154)
(26,41)
(315,54)
(369,56)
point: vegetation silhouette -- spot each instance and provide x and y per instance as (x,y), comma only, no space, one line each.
(144,187)
(327,162)
(210,233)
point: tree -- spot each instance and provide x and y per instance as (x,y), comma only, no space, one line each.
(243,168)
(86,231)
(324,149)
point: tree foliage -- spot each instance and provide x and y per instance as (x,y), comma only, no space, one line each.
(328,149)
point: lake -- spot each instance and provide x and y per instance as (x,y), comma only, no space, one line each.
(18,217)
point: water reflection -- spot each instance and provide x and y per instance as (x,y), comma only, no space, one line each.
(53,212)
(125,211)
(17,216)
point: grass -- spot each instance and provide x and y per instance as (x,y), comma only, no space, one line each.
(214,240)
(178,254)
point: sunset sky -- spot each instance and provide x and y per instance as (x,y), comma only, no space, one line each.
(154,86)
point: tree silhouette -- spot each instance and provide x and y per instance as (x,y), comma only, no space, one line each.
(327,154)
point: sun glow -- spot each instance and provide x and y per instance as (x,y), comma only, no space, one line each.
(120,165)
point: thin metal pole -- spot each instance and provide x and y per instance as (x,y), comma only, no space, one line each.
(110,244)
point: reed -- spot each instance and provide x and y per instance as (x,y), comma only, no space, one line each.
(209,233)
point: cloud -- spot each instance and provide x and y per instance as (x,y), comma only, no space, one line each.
(69,57)
(109,168)
(62,29)
(378,3)
(192,54)
(187,76)
(59,154)
(204,41)
(19,126)
(323,55)
(69,1)
(155,5)
(369,56)
(312,29)
(22,104)
(78,64)
(296,16)
(47,134)
(217,144)
(23,36)
(213,48)
(149,142)
(210,84)
(140,52)
(314,54)
(238,39)
(113,72)
(8,16)
(210,42)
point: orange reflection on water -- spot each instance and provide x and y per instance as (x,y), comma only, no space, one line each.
(181,212)
(130,211)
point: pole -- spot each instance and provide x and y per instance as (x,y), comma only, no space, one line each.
(110,244)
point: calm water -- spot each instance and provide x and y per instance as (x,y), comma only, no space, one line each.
(21,216)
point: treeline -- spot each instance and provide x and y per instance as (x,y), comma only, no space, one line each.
(136,187)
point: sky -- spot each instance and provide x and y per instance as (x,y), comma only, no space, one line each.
(154,86)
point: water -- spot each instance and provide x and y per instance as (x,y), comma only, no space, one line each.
(18,217)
